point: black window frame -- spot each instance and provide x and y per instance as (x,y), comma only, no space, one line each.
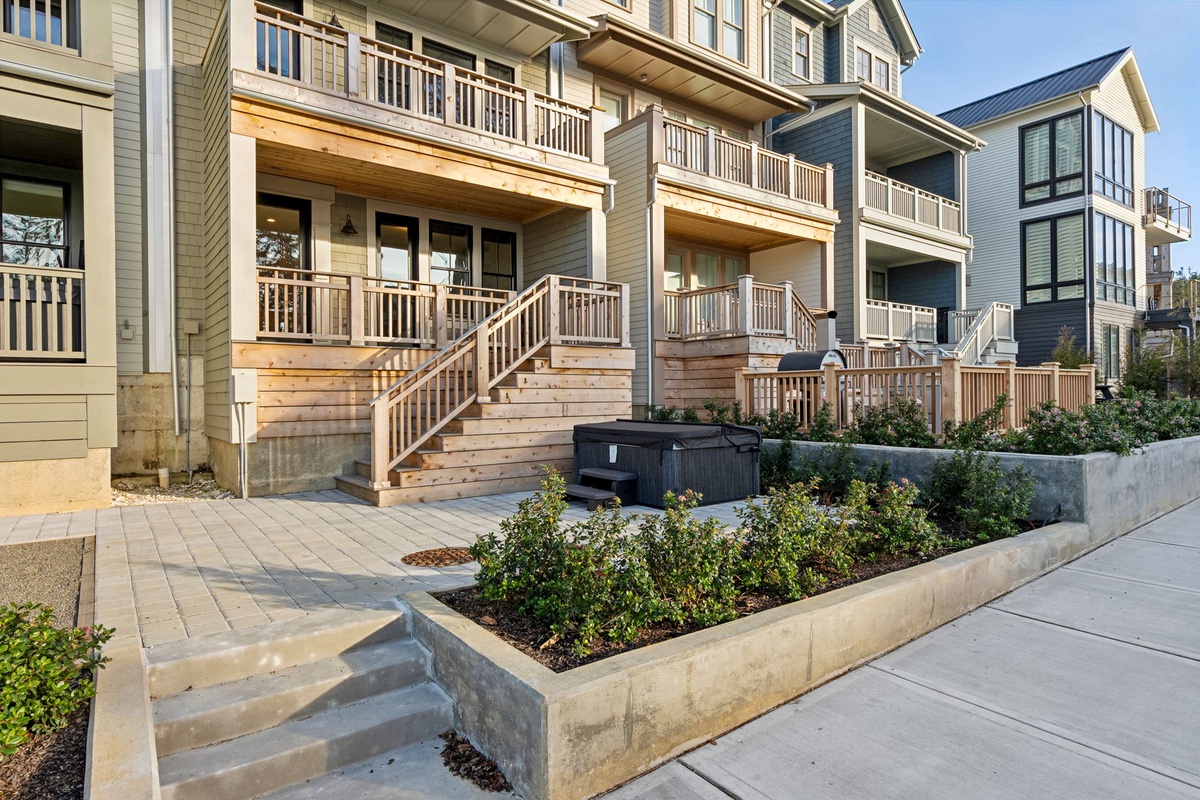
(66,245)
(1054,178)
(448,50)
(484,272)
(386,33)
(469,270)
(1118,188)
(491,68)
(1118,284)
(1110,351)
(1054,285)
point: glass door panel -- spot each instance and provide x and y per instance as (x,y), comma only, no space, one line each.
(396,239)
(450,253)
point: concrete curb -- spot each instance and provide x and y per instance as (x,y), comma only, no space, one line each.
(576,734)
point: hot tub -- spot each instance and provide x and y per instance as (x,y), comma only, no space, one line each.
(718,461)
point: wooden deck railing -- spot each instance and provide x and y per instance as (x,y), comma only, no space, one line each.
(705,151)
(744,308)
(898,321)
(946,391)
(339,308)
(975,330)
(41,313)
(864,355)
(913,204)
(1164,208)
(328,58)
(554,310)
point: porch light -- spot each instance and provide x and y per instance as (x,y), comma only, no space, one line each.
(348,229)
(333,22)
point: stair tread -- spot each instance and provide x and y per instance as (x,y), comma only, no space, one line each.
(588,492)
(607,474)
(201,716)
(309,738)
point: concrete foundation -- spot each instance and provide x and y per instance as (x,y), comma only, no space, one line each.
(146,422)
(58,484)
(289,464)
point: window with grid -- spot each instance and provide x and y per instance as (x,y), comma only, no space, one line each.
(33,223)
(1110,351)
(720,25)
(1112,248)
(801,51)
(49,21)
(1112,147)
(1052,259)
(1052,159)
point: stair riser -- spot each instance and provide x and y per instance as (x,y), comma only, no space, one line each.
(313,758)
(261,657)
(259,713)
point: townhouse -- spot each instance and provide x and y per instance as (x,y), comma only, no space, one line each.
(1063,217)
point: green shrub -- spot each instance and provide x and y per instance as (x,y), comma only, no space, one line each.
(971,489)
(45,672)
(671,414)
(895,525)
(790,545)
(775,467)
(694,565)
(833,468)
(902,423)
(724,414)
(822,427)
(1067,353)
(979,433)
(1145,370)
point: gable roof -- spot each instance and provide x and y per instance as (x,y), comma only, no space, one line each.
(1071,80)
(893,12)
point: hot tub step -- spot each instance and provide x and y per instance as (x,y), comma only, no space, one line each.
(594,497)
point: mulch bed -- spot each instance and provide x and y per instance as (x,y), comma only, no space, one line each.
(49,766)
(440,557)
(463,760)
(533,638)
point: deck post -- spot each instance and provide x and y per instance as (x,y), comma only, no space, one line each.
(449,95)
(596,136)
(554,297)
(355,307)
(380,436)
(789,182)
(530,117)
(624,315)
(788,321)
(441,333)
(828,167)
(739,391)
(951,389)
(353,64)
(483,376)
(1055,389)
(745,321)
(710,152)
(1091,396)
(833,395)
(1010,388)
(753,176)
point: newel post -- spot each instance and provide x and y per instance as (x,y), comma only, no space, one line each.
(828,167)
(441,332)
(1055,389)
(739,391)
(554,298)
(833,395)
(625,341)
(789,322)
(353,64)
(530,117)
(380,436)
(1010,389)
(951,389)
(355,308)
(483,362)
(1090,398)
(449,95)
(745,321)
(710,152)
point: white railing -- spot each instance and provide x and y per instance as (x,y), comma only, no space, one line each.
(705,151)
(895,322)
(555,310)
(339,308)
(913,204)
(975,330)
(744,308)
(1165,209)
(41,313)
(330,59)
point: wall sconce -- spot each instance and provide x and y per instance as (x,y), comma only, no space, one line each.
(333,22)
(348,229)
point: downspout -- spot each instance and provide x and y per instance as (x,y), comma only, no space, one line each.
(1089,267)
(793,122)
(650,290)
(768,36)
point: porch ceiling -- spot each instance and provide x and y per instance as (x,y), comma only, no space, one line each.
(721,233)
(891,142)
(883,256)
(519,26)
(41,144)
(399,185)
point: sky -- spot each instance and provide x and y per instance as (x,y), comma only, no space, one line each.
(975,48)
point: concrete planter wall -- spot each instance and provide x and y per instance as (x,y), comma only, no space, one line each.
(572,735)
(1114,494)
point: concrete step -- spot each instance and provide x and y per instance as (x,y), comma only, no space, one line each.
(294,752)
(415,772)
(358,486)
(214,714)
(210,660)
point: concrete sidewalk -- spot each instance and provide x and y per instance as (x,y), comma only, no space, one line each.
(1083,684)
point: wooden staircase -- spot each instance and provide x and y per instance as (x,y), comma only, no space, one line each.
(557,356)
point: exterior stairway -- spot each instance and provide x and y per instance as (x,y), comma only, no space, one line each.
(985,336)
(497,406)
(242,714)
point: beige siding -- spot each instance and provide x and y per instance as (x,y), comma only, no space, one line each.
(348,253)
(127,144)
(626,154)
(214,203)
(799,263)
(556,245)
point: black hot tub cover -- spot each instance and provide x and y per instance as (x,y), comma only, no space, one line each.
(669,435)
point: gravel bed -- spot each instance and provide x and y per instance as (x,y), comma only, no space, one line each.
(202,487)
(43,572)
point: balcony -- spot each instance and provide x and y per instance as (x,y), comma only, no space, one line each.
(703,151)
(898,322)
(1167,220)
(302,52)
(745,308)
(41,314)
(917,210)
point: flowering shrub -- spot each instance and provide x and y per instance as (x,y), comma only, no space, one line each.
(45,672)
(901,423)
(970,488)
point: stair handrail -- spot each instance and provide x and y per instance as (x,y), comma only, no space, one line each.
(473,364)
(983,331)
(805,324)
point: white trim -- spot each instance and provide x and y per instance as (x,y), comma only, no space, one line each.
(800,27)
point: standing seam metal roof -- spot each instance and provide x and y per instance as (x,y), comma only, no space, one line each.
(1068,81)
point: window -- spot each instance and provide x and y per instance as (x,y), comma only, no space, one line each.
(393,36)
(874,69)
(1052,259)
(1112,247)
(720,25)
(501,72)
(1110,351)
(281,251)
(1052,159)
(449,253)
(451,55)
(33,231)
(499,259)
(698,267)
(616,108)
(878,287)
(801,50)
(279,49)
(1113,149)
(49,21)
(397,240)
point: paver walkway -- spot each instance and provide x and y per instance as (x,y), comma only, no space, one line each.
(179,570)
(1082,685)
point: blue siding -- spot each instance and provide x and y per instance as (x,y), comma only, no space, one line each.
(833,54)
(933,174)
(928,284)
(1037,328)
(782,44)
